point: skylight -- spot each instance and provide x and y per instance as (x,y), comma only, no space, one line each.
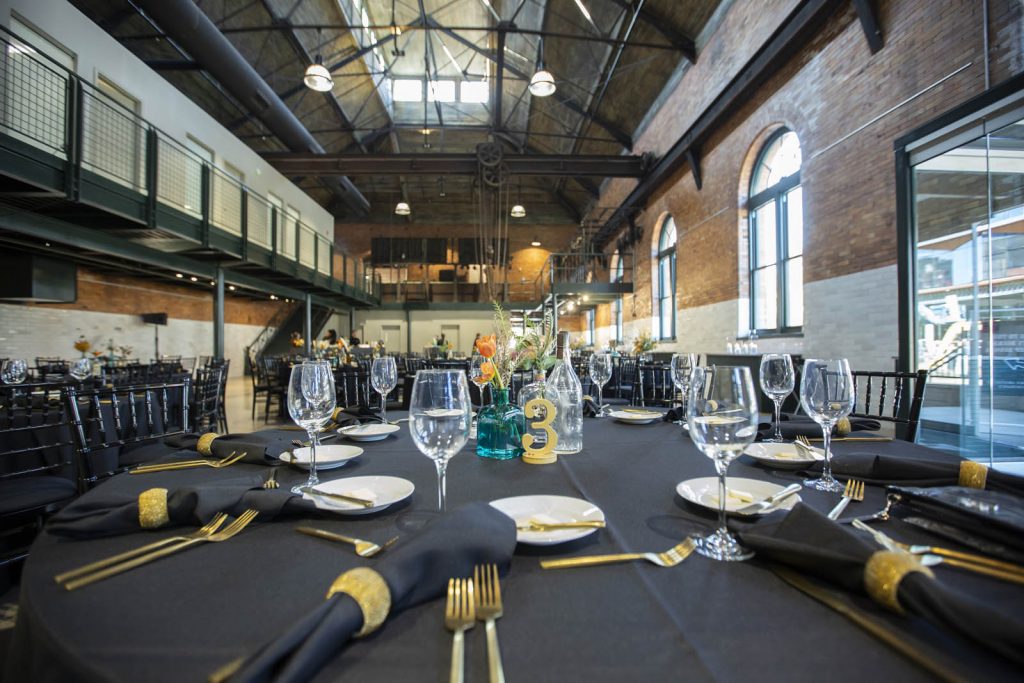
(474,91)
(441,91)
(407,90)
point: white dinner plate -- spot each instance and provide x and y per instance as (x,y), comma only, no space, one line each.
(370,431)
(328,456)
(783,456)
(741,492)
(549,510)
(383,491)
(636,417)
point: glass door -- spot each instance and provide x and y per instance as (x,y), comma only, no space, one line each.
(968,205)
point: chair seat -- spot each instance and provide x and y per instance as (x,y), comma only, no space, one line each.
(30,493)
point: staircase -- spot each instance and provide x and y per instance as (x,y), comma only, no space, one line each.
(279,342)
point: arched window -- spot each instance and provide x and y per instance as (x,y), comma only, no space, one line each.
(777,236)
(665,281)
(618,274)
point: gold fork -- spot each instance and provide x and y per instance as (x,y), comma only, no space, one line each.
(226,533)
(271,482)
(802,441)
(187,464)
(488,610)
(459,617)
(206,530)
(363,548)
(669,558)
(854,490)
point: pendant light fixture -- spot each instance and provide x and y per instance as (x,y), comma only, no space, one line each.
(317,76)
(543,83)
(402,209)
(519,211)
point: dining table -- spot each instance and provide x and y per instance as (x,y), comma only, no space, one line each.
(187,615)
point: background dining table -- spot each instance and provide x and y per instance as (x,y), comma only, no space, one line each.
(183,617)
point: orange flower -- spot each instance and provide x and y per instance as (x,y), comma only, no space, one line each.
(487,371)
(487,346)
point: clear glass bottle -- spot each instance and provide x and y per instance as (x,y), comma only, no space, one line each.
(569,421)
(538,388)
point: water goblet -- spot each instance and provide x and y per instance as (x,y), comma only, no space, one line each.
(14,371)
(777,381)
(311,403)
(81,369)
(384,378)
(827,393)
(722,413)
(439,412)
(682,367)
(600,373)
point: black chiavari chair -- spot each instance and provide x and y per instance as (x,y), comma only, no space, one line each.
(894,397)
(258,376)
(277,385)
(654,385)
(118,427)
(206,399)
(624,379)
(51,369)
(352,387)
(37,471)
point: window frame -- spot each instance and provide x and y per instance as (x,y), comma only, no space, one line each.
(666,254)
(591,321)
(618,275)
(779,193)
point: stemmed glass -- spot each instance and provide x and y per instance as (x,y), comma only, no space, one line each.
(682,367)
(14,371)
(384,378)
(777,381)
(477,375)
(440,411)
(827,394)
(600,373)
(80,369)
(311,402)
(722,414)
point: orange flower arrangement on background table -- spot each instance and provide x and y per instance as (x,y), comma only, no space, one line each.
(500,425)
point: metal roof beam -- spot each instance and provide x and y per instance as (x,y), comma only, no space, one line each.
(676,38)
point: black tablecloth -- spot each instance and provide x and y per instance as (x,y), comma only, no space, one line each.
(183,617)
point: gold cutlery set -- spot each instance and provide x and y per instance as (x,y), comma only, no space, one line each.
(670,558)
(117,564)
(469,601)
(363,548)
(189,464)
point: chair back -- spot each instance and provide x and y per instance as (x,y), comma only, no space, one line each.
(206,401)
(654,385)
(35,438)
(107,419)
(624,378)
(894,397)
(51,369)
(352,387)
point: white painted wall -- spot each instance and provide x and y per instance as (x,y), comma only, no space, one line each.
(31,331)
(425,325)
(162,104)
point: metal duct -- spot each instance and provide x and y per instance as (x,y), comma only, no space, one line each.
(188,26)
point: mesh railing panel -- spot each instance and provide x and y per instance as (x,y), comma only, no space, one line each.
(34,99)
(288,222)
(226,198)
(113,142)
(179,178)
(307,246)
(323,257)
(258,218)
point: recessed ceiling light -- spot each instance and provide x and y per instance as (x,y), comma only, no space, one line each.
(194,279)
(231,287)
(178,275)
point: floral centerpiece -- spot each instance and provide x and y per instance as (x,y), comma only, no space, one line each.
(537,345)
(443,346)
(500,426)
(577,343)
(298,342)
(644,344)
(82,345)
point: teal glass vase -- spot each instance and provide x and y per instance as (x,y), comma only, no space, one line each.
(499,428)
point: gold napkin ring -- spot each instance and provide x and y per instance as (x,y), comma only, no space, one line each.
(883,573)
(153,508)
(371,593)
(973,474)
(205,443)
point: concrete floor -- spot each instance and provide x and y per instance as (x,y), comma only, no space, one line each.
(238,401)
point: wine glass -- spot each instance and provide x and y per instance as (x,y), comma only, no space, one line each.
(722,414)
(384,378)
(80,369)
(477,373)
(600,373)
(827,394)
(14,371)
(311,402)
(777,381)
(682,367)
(440,411)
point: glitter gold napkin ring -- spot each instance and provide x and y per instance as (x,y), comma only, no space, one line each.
(371,593)
(205,443)
(883,573)
(153,508)
(973,474)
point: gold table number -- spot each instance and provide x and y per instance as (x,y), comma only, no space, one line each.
(542,454)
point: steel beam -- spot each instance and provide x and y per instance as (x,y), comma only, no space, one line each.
(677,39)
(218,314)
(598,165)
(869,23)
(794,33)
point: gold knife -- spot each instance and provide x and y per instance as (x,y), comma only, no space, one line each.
(555,526)
(870,623)
(340,496)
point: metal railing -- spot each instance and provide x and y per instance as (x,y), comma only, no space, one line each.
(48,107)
(582,268)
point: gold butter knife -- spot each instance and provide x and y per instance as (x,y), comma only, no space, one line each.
(554,526)
(340,496)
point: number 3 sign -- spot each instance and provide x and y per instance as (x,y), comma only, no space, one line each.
(544,453)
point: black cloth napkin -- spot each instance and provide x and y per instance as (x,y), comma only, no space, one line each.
(812,543)
(259,450)
(101,514)
(677,413)
(590,408)
(793,426)
(992,515)
(415,571)
(875,468)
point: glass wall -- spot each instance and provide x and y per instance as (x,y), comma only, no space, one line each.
(968,205)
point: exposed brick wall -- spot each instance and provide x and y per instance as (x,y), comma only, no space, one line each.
(106,293)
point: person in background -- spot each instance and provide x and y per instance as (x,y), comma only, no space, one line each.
(353,340)
(475,340)
(331,337)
